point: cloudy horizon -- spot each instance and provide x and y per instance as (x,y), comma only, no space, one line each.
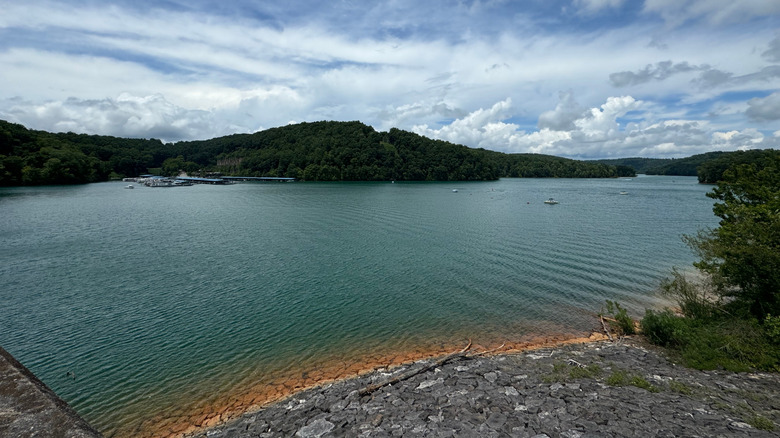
(583,79)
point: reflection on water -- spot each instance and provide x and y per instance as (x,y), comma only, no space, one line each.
(158,299)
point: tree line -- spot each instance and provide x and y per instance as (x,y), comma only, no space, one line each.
(708,167)
(318,151)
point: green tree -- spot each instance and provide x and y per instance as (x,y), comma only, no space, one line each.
(743,254)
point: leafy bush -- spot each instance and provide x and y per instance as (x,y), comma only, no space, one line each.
(772,328)
(624,322)
(727,342)
(665,328)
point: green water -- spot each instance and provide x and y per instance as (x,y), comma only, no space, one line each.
(155,295)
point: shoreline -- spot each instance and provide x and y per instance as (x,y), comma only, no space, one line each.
(252,398)
(603,388)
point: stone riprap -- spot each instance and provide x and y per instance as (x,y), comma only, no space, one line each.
(28,408)
(598,389)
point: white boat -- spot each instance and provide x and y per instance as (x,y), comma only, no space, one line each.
(129,186)
(551,201)
(454,190)
(624,192)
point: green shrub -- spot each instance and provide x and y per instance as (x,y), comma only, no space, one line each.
(772,329)
(665,328)
(624,322)
(735,344)
(694,299)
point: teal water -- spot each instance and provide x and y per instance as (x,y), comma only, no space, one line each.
(154,296)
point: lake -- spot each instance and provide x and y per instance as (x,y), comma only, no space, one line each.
(150,308)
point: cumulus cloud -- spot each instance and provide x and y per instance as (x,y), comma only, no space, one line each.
(126,116)
(594,133)
(564,115)
(764,109)
(479,73)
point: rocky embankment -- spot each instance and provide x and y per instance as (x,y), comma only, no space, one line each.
(595,389)
(28,408)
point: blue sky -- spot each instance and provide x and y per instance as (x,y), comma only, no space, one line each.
(574,78)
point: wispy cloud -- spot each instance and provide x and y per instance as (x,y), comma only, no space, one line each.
(583,78)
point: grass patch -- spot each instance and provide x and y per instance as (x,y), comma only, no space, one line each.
(623,378)
(589,372)
(618,378)
(680,388)
(641,382)
(761,423)
(563,372)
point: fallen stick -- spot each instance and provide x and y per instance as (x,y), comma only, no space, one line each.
(403,376)
(484,353)
(606,330)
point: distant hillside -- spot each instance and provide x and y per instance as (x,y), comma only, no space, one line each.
(711,171)
(665,166)
(319,151)
(709,167)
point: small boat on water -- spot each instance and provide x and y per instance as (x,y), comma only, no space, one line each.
(624,192)
(551,201)
(129,186)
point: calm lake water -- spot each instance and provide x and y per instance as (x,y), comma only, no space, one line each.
(157,295)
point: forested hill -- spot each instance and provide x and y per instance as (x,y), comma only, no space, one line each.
(709,167)
(665,166)
(319,151)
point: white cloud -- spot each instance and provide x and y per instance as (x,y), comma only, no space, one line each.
(764,109)
(564,115)
(596,133)
(594,6)
(125,116)
(491,83)
(773,52)
(677,12)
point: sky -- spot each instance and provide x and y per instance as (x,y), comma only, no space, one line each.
(583,79)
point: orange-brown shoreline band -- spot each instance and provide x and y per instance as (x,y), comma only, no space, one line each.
(248,399)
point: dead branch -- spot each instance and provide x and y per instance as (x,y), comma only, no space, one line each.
(413,372)
(485,353)
(606,330)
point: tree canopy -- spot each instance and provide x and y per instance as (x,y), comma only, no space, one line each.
(318,151)
(743,253)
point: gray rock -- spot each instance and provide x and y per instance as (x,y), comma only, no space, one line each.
(316,429)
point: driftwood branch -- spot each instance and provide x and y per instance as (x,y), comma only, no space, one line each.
(413,372)
(485,353)
(606,330)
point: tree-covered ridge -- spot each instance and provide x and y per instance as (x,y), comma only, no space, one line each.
(666,166)
(352,151)
(712,171)
(319,151)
